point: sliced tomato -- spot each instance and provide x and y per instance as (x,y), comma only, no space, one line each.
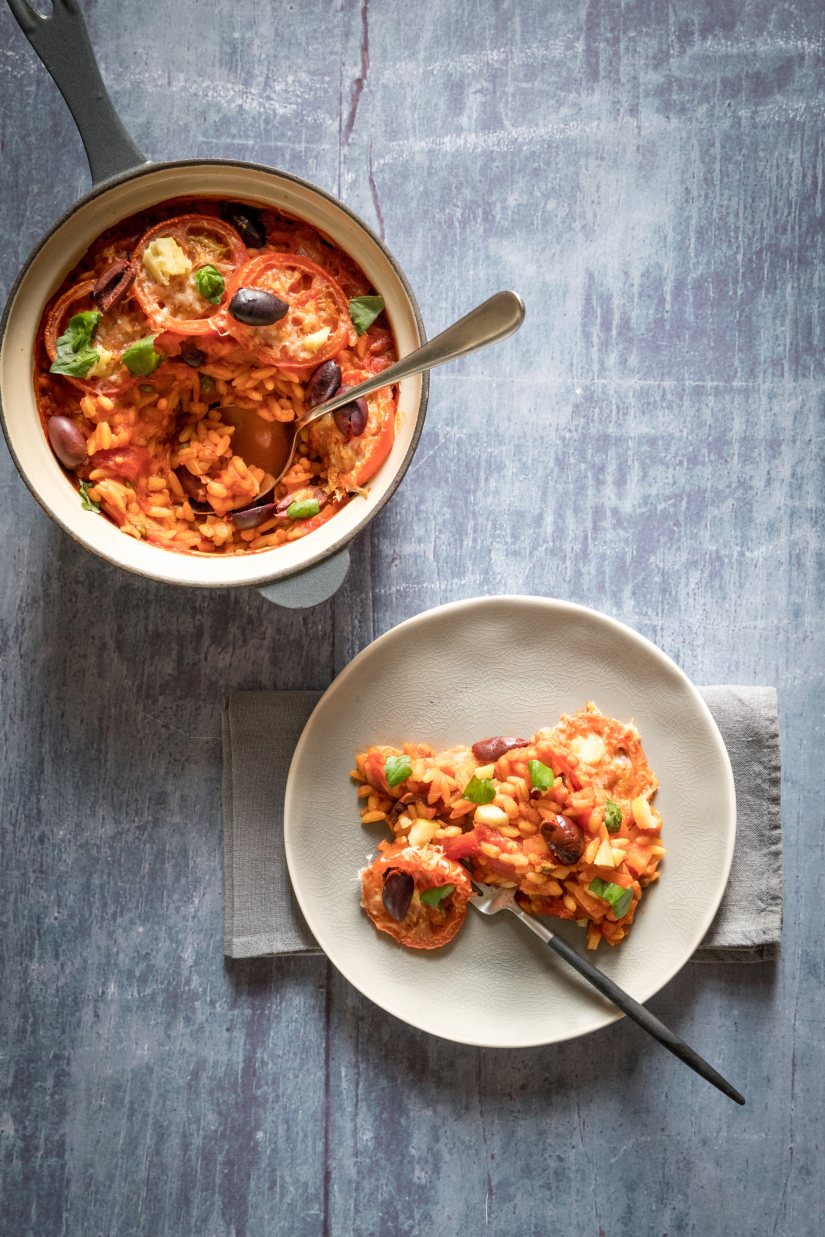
(423,926)
(352,464)
(119,327)
(317,324)
(177,305)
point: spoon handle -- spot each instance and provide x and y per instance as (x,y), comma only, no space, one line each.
(489,322)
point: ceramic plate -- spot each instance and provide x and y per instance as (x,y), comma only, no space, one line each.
(506,665)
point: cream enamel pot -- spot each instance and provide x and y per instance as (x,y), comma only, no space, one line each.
(300,573)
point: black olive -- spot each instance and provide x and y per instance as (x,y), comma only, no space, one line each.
(397,893)
(192,356)
(564,839)
(247,222)
(488,750)
(255,307)
(351,419)
(323,384)
(113,284)
(68,443)
(251,517)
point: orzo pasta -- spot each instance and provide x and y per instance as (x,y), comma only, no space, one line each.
(565,818)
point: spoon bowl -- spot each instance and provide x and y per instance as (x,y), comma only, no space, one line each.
(272,445)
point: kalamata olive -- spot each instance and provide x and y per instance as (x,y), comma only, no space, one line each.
(351,419)
(564,839)
(68,443)
(247,222)
(113,284)
(488,750)
(397,893)
(323,384)
(251,517)
(397,808)
(257,307)
(193,356)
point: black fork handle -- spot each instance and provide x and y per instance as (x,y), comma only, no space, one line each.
(62,43)
(648,1021)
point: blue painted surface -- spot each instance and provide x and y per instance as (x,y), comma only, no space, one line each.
(650,177)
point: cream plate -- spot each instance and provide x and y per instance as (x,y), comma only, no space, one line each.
(506,665)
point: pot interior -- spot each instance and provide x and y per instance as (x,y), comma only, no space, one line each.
(62,250)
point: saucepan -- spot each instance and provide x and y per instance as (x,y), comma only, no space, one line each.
(299,573)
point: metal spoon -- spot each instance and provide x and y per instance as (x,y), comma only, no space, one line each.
(489,322)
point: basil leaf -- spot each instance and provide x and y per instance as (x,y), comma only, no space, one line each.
(612,816)
(303,510)
(397,769)
(74,355)
(622,905)
(479,790)
(87,503)
(541,775)
(364,310)
(141,359)
(432,897)
(210,284)
(618,897)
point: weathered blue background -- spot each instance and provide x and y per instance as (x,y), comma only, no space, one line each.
(650,177)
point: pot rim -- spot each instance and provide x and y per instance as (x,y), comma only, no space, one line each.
(268,577)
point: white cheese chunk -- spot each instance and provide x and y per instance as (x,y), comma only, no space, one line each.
(316,341)
(164,259)
(588,747)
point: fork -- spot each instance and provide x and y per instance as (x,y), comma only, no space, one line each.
(489,900)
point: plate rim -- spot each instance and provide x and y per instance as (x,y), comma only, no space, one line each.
(516,600)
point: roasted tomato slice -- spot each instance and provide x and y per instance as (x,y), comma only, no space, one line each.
(317,324)
(168,258)
(422,926)
(352,464)
(119,327)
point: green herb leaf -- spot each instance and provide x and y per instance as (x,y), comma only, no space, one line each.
(612,816)
(210,284)
(432,897)
(141,359)
(541,775)
(618,897)
(479,790)
(397,769)
(303,510)
(364,310)
(87,503)
(74,356)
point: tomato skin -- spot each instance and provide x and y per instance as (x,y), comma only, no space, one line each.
(182,228)
(423,927)
(380,448)
(304,285)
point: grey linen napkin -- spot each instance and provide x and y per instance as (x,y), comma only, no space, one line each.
(261,916)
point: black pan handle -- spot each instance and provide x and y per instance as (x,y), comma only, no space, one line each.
(667,1038)
(62,43)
